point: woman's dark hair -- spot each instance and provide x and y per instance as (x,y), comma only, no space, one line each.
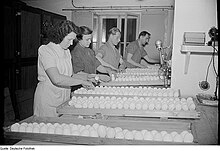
(84,31)
(144,33)
(60,30)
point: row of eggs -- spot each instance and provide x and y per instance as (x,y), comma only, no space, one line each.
(139,91)
(141,70)
(133,103)
(142,78)
(136,74)
(97,130)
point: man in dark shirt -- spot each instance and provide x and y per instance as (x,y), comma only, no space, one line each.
(134,52)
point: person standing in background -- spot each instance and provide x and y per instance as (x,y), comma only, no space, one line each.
(108,54)
(55,74)
(134,52)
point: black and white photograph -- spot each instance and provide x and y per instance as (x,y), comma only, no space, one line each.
(110,75)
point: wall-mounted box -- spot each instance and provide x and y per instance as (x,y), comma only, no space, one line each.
(194,38)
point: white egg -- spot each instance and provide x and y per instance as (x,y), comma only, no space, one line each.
(160,94)
(192,107)
(163,133)
(48,124)
(43,129)
(81,128)
(24,124)
(134,132)
(87,126)
(183,133)
(15,127)
(138,105)
(36,129)
(75,133)
(189,99)
(58,130)
(143,132)
(84,132)
(119,135)
(111,132)
(93,133)
(63,125)
(113,106)
(101,131)
(96,105)
(132,106)
(145,106)
(66,131)
(51,130)
(56,124)
(178,138)
(22,128)
(95,126)
(124,131)
(173,134)
(164,106)
(148,136)
(71,103)
(73,127)
(178,106)
(29,129)
(102,105)
(170,94)
(165,94)
(171,106)
(90,105)
(129,135)
(154,132)
(167,138)
(126,105)
(185,107)
(158,106)
(151,106)
(138,136)
(85,105)
(119,105)
(118,129)
(158,137)
(188,138)
(107,105)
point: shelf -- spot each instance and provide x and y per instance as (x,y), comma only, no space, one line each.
(196,50)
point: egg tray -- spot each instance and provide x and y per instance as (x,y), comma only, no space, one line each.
(129,91)
(159,82)
(124,124)
(65,108)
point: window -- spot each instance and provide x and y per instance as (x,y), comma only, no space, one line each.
(103,22)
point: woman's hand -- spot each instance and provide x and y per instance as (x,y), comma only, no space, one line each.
(87,85)
(104,78)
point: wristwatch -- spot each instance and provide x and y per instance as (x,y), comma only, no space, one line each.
(97,78)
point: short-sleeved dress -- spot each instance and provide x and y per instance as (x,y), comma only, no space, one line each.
(110,55)
(83,59)
(137,51)
(48,96)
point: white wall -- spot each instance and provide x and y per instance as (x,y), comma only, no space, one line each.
(153,23)
(192,16)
